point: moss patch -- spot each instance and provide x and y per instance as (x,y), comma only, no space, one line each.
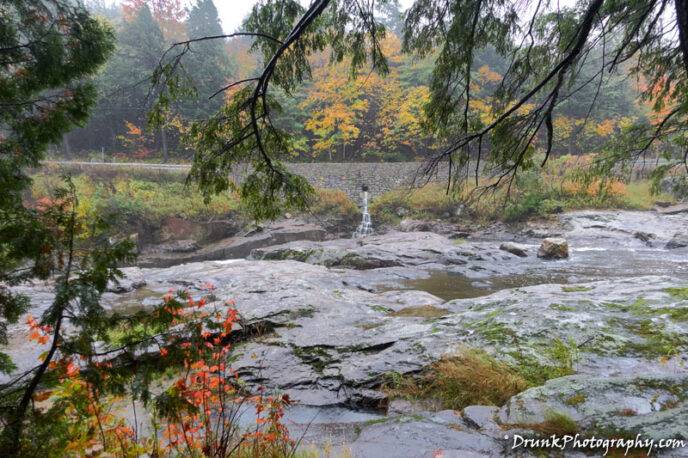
(576,399)
(317,357)
(562,307)
(575,289)
(678,293)
(563,356)
(421,311)
(657,342)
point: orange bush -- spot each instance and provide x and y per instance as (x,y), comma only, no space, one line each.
(206,397)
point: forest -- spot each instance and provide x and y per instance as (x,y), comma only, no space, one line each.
(333,117)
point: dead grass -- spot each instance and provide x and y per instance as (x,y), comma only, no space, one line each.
(470,377)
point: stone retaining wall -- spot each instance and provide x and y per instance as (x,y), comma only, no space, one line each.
(351,177)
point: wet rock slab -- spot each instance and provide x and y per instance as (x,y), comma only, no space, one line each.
(234,247)
(444,432)
(332,343)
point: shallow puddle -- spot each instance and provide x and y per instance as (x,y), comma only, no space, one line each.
(449,285)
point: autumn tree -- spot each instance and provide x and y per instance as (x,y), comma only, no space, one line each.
(169,14)
(337,107)
(140,44)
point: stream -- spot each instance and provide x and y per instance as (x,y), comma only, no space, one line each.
(343,314)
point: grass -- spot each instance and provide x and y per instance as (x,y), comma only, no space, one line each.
(334,209)
(130,199)
(137,199)
(470,377)
(639,195)
(428,202)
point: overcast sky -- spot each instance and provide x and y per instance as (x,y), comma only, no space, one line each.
(232,12)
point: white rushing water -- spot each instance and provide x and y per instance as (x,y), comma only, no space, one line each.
(366,227)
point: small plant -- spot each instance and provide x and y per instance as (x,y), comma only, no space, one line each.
(197,415)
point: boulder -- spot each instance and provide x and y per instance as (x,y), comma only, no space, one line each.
(176,246)
(673,209)
(554,248)
(413,225)
(679,240)
(423,436)
(652,405)
(515,249)
(481,417)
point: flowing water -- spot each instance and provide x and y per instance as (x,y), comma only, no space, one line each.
(366,226)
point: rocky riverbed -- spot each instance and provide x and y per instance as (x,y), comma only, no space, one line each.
(338,316)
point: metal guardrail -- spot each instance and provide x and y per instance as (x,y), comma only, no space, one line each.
(138,165)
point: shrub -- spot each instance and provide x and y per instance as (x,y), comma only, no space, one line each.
(197,415)
(129,200)
(428,202)
(333,207)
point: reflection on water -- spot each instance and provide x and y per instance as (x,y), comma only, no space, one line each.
(449,285)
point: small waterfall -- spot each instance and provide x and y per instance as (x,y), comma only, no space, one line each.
(366,227)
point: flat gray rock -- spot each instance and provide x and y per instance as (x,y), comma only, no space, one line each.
(415,438)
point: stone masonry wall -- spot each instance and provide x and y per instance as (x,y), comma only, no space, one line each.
(350,177)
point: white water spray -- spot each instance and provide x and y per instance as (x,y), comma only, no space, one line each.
(366,227)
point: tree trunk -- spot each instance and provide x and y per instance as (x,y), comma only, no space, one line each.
(163,138)
(682,21)
(66,148)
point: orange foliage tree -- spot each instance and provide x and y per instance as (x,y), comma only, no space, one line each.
(169,14)
(197,415)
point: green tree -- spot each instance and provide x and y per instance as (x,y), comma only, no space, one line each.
(48,49)
(208,66)
(139,47)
